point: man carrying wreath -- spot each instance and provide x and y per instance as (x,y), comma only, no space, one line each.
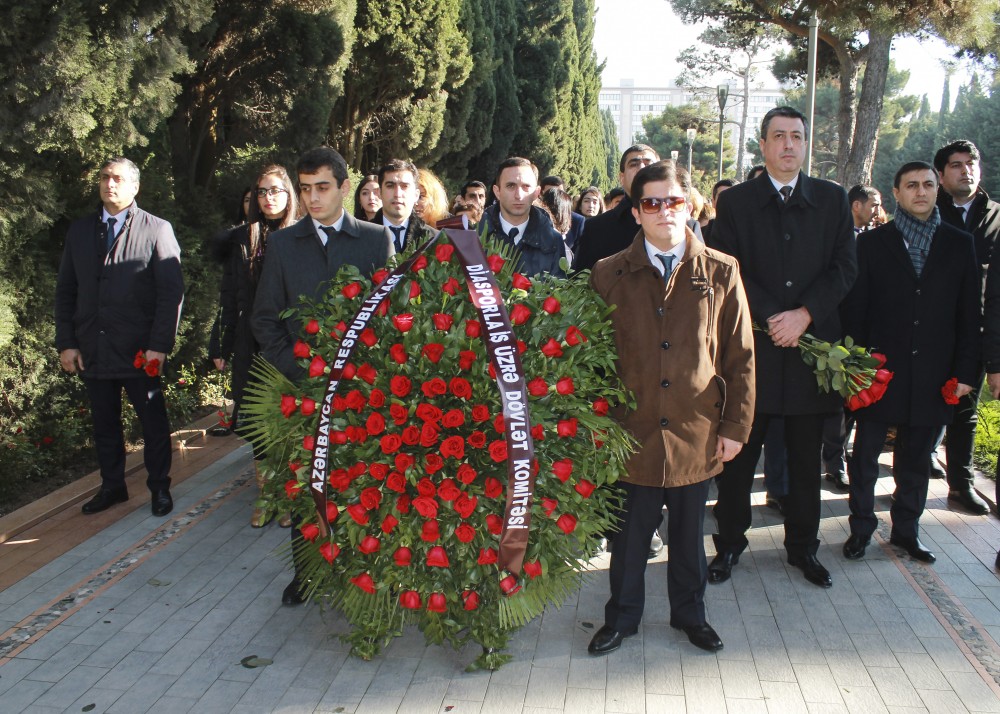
(685,349)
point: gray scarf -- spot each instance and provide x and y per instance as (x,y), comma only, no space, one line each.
(918,235)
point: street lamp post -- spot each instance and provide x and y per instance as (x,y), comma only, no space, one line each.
(674,154)
(692,132)
(723,90)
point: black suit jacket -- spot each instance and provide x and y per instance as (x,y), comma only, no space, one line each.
(927,326)
(795,254)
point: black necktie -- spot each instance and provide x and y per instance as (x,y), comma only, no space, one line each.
(331,233)
(786,192)
(398,232)
(513,234)
(668,264)
(110,235)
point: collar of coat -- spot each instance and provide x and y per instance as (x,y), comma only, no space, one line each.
(539,233)
(306,229)
(804,193)
(638,259)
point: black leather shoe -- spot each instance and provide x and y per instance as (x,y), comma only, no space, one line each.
(914,547)
(970,501)
(854,548)
(701,636)
(839,479)
(774,503)
(721,567)
(162,502)
(607,639)
(105,499)
(655,546)
(937,470)
(998,560)
(813,570)
(292,594)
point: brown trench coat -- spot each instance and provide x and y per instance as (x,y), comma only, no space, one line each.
(685,349)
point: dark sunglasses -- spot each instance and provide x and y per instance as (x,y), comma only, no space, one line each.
(653,205)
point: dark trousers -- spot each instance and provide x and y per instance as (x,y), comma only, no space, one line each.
(803,437)
(960,439)
(836,432)
(911,471)
(775,459)
(146,395)
(687,572)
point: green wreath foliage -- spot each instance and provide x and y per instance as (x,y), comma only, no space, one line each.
(418,482)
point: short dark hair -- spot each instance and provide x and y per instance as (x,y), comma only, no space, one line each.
(912,166)
(961,146)
(636,149)
(472,184)
(130,166)
(862,192)
(552,180)
(755,171)
(322,157)
(789,112)
(511,162)
(728,183)
(398,165)
(660,171)
(613,194)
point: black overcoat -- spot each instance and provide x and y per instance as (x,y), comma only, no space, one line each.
(795,254)
(927,326)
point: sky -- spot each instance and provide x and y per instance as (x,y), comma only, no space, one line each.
(619,40)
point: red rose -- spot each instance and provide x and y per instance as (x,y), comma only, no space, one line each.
(369,545)
(549,505)
(139,360)
(477,439)
(437,603)
(301,350)
(378,471)
(453,418)
(433,352)
(388,523)
(414,290)
(358,469)
(367,373)
(426,506)
(419,264)
(460,387)
(317,368)
(883,376)
(356,400)
(498,451)
(312,327)
(878,390)
(451,286)
(358,514)
(532,569)
(585,488)
(376,399)
(310,531)
(520,314)
(371,498)
(395,481)
(447,490)
(329,551)
(566,523)
(354,434)
(552,349)
(400,386)
(437,557)
(509,585)
(522,347)
(390,443)
(349,371)
(368,337)
(563,469)
(430,531)
(308,406)
(375,424)
(538,387)
(495,262)
(473,328)
(411,435)
(398,353)
(331,511)
(403,322)
(338,329)
(492,488)
(574,336)
(948,391)
(538,432)
(288,405)
(434,387)
(404,461)
(443,252)
(365,582)
(426,487)
(339,480)
(601,406)
(470,598)
(566,427)
(410,599)
(466,474)
(379,275)
(465,360)
(442,321)
(402,556)
(351,290)
(881,359)
(403,503)
(308,442)
(494,524)
(498,423)
(565,386)
(399,413)
(520,282)
(465,533)
(453,446)
(551,305)
(487,556)
(465,505)
(480,412)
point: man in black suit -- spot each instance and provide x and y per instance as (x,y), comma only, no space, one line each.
(964,204)
(917,298)
(119,292)
(792,236)
(397,181)
(301,259)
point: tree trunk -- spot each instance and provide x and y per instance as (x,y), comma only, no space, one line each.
(849,71)
(858,168)
(742,150)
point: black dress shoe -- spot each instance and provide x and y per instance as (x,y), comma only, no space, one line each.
(998,560)
(162,502)
(813,570)
(655,546)
(721,567)
(839,479)
(701,636)
(292,594)
(607,639)
(105,499)
(854,548)
(914,547)
(937,470)
(774,503)
(969,500)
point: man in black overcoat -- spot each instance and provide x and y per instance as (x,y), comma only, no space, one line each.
(917,300)
(793,237)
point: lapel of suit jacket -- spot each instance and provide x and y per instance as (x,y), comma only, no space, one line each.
(896,247)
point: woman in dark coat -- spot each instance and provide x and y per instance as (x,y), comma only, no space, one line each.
(241,251)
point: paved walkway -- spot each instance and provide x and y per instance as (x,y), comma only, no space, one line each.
(160,615)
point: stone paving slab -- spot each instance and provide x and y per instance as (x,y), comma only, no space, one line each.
(148,615)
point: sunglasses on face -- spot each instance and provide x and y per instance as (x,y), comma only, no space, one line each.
(273,191)
(654,205)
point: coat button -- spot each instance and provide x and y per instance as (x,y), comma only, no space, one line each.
(718,405)
(916,323)
(665,383)
(659,311)
(618,272)
(788,284)
(665,345)
(787,237)
(918,291)
(915,352)
(664,422)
